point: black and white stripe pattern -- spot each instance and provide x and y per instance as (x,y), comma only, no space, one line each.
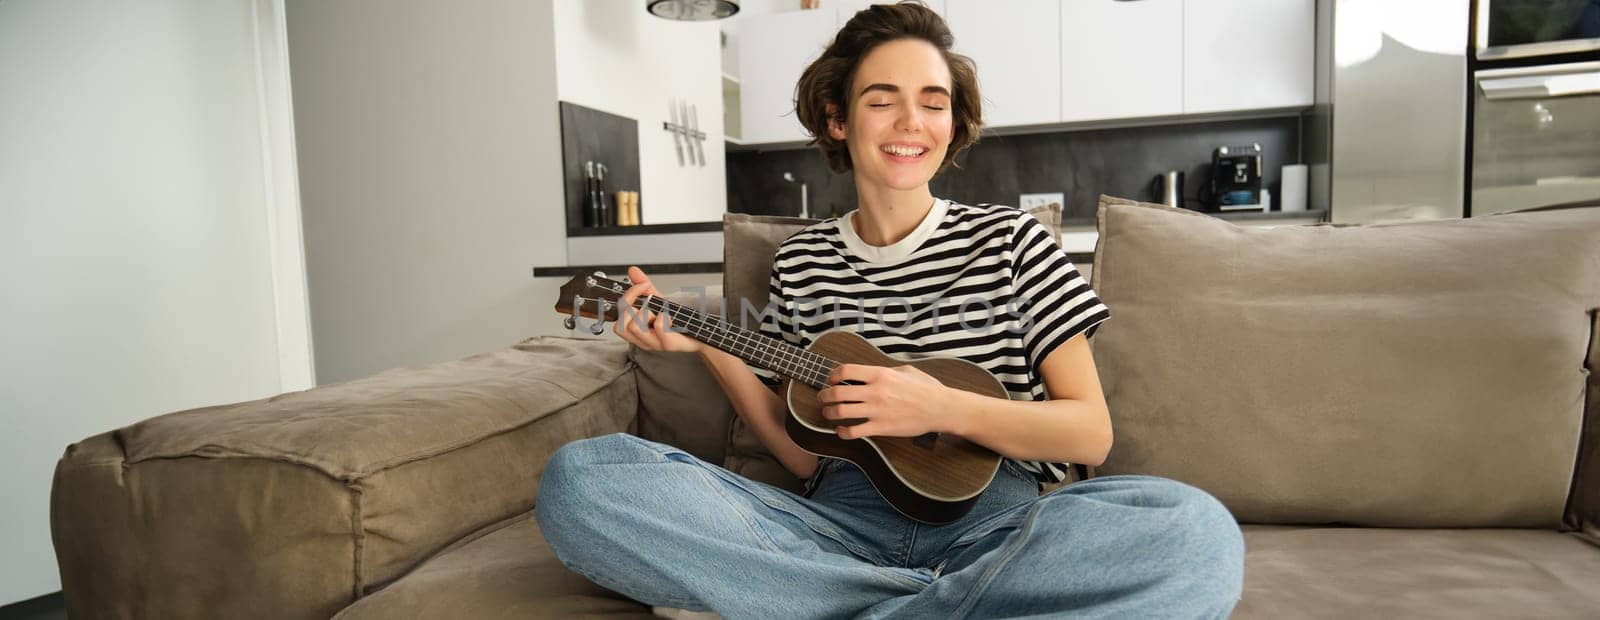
(995,268)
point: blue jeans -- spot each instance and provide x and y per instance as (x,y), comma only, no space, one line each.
(657,524)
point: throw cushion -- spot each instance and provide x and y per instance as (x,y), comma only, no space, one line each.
(1421,374)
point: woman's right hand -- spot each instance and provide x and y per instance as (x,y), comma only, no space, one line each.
(645,329)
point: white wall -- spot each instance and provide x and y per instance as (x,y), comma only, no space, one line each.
(429,148)
(615,57)
(143,245)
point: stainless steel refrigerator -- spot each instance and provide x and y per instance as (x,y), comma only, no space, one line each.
(1431,109)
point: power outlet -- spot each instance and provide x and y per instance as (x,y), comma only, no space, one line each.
(1030,201)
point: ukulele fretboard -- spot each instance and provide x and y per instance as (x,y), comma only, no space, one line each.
(759,349)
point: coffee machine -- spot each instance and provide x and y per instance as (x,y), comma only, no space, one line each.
(1235,183)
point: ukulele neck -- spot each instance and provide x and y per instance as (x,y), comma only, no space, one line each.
(764,351)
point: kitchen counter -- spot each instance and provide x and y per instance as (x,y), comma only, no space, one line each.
(645,229)
(1076,258)
(649,268)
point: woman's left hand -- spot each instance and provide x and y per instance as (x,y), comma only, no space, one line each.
(895,401)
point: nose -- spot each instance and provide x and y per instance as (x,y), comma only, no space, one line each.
(910,120)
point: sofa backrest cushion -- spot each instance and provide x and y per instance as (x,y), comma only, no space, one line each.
(680,402)
(1421,374)
(749,244)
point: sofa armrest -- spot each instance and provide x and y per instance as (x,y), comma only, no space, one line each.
(296,505)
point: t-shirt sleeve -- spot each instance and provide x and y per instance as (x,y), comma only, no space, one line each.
(773,321)
(1055,297)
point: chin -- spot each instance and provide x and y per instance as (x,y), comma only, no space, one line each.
(906,182)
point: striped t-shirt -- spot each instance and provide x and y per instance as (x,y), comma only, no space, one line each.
(988,284)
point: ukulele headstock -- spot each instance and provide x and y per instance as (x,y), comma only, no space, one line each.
(592,296)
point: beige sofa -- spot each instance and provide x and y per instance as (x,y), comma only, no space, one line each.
(1404,418)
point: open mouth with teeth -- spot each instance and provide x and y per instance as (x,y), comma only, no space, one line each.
(902,153)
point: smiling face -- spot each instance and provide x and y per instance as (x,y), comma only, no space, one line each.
(899,125)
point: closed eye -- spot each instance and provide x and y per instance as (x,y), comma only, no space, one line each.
(932,107)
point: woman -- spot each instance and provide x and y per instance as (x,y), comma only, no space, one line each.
(890,103)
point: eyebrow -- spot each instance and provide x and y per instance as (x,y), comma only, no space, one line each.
(895,89)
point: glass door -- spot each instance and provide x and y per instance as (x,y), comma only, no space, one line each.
(1522,28)
(1535,137)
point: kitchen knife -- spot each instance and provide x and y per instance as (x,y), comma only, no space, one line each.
(699,138)
(677,130)
(688,138)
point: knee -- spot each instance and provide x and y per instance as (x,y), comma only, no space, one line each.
(1200,534)
(1201,523)
(576,460)
(567,465)
(571,481)
(1197,534)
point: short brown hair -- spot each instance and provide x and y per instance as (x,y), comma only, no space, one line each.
(828,79)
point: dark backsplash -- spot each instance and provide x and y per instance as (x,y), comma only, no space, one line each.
(1081,164)
(591,135)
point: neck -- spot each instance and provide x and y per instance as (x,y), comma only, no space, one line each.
(887,215)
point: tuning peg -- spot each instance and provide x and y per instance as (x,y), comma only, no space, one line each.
(600,323)
(571,322)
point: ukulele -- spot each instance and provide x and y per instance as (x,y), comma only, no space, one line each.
(933,478)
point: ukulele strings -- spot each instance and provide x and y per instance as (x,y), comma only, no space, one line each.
(803,362)
(808,366)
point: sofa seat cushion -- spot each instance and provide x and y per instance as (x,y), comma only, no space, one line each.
(507,571)
(1422,374)
(1326,572)
(1290,572)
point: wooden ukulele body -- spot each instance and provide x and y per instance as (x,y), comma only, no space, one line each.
(935,478)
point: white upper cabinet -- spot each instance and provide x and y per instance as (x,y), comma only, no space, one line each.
(1121,59)
(1248,54)
(1017,47)
(1042,62)
(773,51)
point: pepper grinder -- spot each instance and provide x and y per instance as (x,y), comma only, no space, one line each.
(591,201)
(607,217)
